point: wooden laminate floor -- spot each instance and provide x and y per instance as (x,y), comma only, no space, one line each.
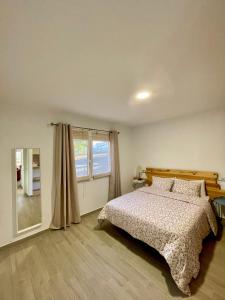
(28,209)
(84,263)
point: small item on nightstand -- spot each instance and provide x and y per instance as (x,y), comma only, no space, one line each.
(138,183)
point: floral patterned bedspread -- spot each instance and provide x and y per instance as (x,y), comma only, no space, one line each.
(174,224)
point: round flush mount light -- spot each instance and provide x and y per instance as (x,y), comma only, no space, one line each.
(143,95)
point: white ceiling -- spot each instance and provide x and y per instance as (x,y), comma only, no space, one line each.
(92,56)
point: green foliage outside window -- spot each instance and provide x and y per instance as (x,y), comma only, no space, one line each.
(80,147)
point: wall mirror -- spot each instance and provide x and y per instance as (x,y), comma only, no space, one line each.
(28,188)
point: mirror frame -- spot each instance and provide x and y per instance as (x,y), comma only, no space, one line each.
(15,207)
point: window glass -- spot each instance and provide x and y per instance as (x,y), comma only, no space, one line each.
(81,157)
(101,157)
(19,157)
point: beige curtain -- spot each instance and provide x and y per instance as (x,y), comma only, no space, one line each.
(65,195)
(114,179)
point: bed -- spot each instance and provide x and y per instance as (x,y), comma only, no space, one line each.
(175,224)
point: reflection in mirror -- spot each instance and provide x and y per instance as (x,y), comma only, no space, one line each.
(28,188)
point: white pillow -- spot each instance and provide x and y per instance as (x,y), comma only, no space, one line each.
(187,187)
(202,187)
(164,184)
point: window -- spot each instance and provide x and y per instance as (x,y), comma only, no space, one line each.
(19,157)
(81,157)
(81,152)
(92,154)
(101,163)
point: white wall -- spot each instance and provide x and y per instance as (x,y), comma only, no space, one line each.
(192,142)
(23,127)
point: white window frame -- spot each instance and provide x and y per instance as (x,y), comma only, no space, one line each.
(90,163)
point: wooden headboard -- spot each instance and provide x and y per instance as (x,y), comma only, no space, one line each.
(212,187)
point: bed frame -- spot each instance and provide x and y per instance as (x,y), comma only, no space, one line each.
(212,187)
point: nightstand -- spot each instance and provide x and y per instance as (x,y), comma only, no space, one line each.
(219,202)
(138,183)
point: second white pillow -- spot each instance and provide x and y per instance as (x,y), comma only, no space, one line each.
(186,187)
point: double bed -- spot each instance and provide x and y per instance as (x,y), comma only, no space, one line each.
(173,223)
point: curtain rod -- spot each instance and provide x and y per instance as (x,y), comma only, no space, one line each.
(86,128)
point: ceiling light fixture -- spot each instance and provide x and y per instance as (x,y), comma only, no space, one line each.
(143,95)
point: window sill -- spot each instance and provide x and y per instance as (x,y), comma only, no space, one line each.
(101,176)
(93,177)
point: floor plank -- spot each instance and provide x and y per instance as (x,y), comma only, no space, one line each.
(86,263)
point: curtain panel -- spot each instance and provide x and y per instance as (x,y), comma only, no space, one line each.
(114,179)
(65,193)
